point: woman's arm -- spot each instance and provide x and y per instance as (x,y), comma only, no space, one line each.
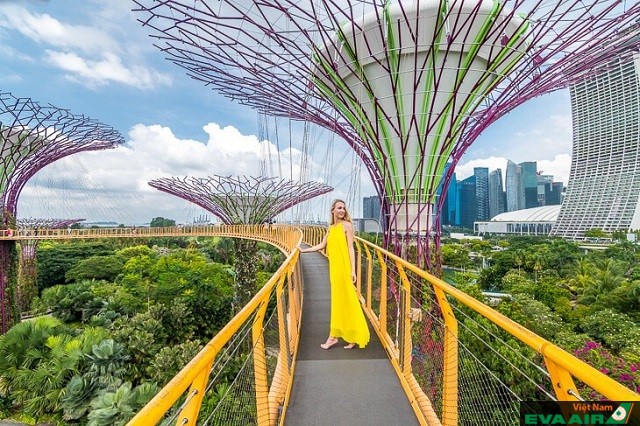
(317,247)
(348,229)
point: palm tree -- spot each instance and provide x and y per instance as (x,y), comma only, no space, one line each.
(581,277)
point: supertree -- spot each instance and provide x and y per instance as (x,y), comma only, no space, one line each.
(27,287)
(408,84)
(31,137)
(242,200)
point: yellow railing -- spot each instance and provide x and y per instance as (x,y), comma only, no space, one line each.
(404,325)
(275,234)
(270,344)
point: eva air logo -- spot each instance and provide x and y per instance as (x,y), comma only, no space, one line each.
(621,415)
(580,413)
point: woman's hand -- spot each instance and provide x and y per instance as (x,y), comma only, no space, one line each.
(353,277)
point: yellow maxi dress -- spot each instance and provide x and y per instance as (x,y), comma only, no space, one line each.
(347,318)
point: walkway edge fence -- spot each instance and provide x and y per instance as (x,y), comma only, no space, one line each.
(271,388)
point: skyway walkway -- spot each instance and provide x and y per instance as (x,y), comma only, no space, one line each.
(339,386)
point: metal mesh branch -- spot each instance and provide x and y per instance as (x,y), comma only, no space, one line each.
(241,199)
(408,84)
(33,136)
(30,223)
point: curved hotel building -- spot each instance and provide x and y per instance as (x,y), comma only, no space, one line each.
(604,183)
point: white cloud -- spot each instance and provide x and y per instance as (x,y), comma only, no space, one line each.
(113,184)
(42,28)
(88,55)
(464,170)
(106,70)
(559,167)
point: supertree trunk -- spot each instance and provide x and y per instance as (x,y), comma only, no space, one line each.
(246,268)
(27,274)
(8,308)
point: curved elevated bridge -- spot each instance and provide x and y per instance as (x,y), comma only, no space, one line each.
(446,359)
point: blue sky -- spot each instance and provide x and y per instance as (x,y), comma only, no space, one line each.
(94,58)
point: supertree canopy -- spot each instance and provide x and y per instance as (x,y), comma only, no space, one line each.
(27,272)
(241,199)
(408,84)
(31,137)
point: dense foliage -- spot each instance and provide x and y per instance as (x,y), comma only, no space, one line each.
(117,323)
(586,301)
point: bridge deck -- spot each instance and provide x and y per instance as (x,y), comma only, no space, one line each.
(339,386)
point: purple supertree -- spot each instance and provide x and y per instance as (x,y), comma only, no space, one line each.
(31,137)
(242,200)
(408,84)
(27,287)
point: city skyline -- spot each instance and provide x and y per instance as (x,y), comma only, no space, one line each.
(77,58)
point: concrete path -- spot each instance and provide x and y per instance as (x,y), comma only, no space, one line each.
(338,386)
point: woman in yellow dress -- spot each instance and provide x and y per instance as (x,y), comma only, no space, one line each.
(347,319)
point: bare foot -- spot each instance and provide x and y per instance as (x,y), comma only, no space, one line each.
(330,342)
(350,346)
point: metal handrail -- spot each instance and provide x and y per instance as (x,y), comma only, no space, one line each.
(195,375)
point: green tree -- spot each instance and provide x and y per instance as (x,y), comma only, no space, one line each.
(161,222)
(533,314)
(171,359)
(143,335)
(614,329)
(580,277)
(220,250)
(608,276)
(595,233)
(96,268)
(456,255)
(55,259)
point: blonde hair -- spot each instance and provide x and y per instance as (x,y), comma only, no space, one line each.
(347,216)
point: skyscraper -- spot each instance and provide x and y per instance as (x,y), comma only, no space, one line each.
(450,211)
(496,194)
(468,205)
(528,185)
(555,196)
(512,186)
(544,188)
(604,183)
(371,208)
(482,193)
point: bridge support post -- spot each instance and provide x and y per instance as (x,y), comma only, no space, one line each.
(450,358)
(404,341)
(369,275)
(383,294)
(562,382)
(281,376)
(260,367)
